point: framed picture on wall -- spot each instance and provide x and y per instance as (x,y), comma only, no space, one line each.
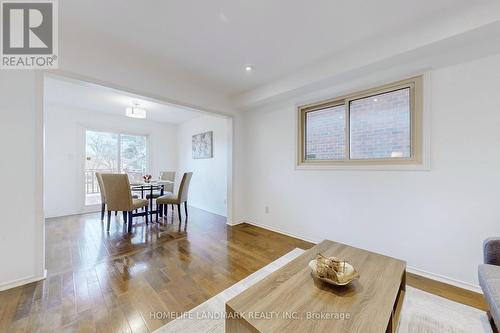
(203,145)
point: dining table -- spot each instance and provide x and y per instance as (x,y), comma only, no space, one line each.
(150,188)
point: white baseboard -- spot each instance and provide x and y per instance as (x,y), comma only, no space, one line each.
(22,281)
(432,276)
(232,224)
(209,210)
(86,210)
(280,231)
(444,279)
(97,209)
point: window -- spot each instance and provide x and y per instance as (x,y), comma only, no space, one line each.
(112,152)
(377,126)
(325,134)
(133,156)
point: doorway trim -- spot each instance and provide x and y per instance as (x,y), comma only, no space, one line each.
(79,79)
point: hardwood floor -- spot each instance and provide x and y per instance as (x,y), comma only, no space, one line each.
(116,282)
(100,282)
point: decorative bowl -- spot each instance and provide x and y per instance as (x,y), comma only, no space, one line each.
(333,270)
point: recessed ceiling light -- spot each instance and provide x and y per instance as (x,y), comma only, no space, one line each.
(248,68)
(375,99)
(223,17)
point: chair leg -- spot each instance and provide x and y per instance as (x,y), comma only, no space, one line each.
(186,222)
(179,211)
(103,208)
(109,220)
(124,217)
(147,214)
(130,222)
(157,212)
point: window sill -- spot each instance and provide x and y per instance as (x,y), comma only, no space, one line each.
(365,167)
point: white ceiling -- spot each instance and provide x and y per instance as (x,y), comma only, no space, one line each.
(214,40)
(80,95)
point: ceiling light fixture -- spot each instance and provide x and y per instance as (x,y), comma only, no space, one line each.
(248,68)
(135,112)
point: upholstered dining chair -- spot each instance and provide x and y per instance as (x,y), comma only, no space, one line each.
(103,196)
(119,198)
(169,177)
(177,199)
(168,186)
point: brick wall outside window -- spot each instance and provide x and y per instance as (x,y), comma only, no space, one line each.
(325,134)
(379,128)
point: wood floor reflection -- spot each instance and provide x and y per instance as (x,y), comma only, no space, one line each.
(114,282)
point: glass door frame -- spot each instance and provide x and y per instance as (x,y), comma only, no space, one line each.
(119,134)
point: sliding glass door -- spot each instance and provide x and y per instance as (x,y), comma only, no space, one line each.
(133,156)
(115,153)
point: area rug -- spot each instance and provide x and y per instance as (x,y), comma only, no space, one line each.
(422,312)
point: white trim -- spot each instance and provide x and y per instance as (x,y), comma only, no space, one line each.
(86,210)
(279,231)
(410,269)
(444,279)
(208,210)
(39,191)
(231,224)
(229,170)
(23,281)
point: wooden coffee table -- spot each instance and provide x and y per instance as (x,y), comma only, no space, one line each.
(291,300)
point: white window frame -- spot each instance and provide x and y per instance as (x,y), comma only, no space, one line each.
(419,141)
(119,142)
(119,134)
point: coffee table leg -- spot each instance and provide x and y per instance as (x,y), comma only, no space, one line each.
(236,324)
(392,327)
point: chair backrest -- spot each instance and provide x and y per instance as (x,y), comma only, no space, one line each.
(167,175)
(117,189)
(170,177)
(101,187)
(184,187)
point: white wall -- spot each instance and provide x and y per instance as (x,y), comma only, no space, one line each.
(125,71)
(208,188)
(65,152)
(21,224)
(21,98)
(106,61)
(435,220)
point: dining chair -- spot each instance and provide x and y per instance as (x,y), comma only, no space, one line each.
(119,198)
(179,198)
(169,178)
(103,196)
(98,175)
